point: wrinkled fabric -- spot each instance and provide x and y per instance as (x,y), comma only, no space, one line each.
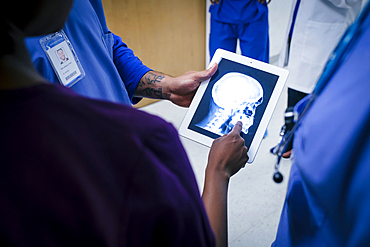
(328,200)
(82,172)
(112,70)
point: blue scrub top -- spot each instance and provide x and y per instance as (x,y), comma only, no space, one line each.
(238,11)
(328,196)
(112,70)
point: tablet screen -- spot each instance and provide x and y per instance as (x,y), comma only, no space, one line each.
(236,92)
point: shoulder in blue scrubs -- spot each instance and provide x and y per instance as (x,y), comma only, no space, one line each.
(112,70)
(328,197)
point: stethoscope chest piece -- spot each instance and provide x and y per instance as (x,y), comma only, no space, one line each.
(278,177)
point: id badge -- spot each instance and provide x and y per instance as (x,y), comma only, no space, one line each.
(63,58)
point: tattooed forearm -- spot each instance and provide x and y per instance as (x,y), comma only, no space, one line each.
(150,86)
(140,85)
(151,92)
(151,78)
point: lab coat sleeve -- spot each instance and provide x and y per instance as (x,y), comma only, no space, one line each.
(130,67)
(345,3)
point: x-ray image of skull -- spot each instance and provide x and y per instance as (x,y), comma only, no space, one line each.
(235,97)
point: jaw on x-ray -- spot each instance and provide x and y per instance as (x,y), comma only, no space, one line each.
(235,97)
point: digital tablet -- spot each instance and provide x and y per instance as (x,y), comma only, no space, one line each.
(242,89)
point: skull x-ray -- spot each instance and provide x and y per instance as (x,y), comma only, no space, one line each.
(236,92)
(234,97)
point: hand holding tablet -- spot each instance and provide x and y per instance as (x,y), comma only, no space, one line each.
(242,89)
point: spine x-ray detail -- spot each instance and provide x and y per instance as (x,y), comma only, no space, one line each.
(235,97)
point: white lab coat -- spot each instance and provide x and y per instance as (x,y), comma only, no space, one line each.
(318,27)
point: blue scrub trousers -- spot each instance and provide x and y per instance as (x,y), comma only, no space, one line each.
(254,38)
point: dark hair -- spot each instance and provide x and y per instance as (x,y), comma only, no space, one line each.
(7,41)
(19,13)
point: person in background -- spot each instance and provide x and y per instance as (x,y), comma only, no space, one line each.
(244,20)
(328,200)
(314,29)
(112,71)
(79,171)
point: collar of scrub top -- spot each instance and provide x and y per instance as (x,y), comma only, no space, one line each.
(335,60)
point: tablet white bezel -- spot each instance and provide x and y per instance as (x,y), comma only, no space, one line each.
(219,54)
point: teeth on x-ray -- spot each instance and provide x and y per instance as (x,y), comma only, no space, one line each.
(235,97)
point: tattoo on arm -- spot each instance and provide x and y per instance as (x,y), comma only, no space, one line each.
(151,92)
(152,78)
(146,86)
(140,85)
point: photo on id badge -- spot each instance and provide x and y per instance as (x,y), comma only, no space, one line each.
(64,64)
(63,58)
(60,53)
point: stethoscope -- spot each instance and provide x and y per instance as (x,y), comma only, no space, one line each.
(347,41)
